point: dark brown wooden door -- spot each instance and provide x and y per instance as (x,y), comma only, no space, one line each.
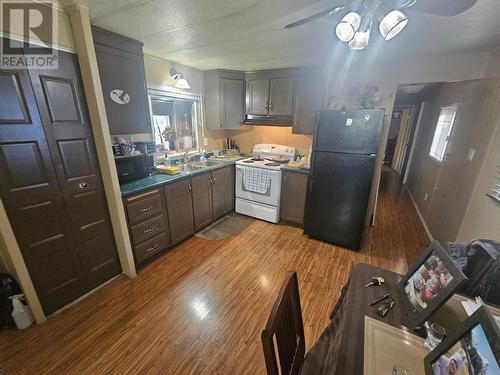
(230,186)
(180,210)
(63,110)
(219,189)
(202,200)
(293,197)
(32,196)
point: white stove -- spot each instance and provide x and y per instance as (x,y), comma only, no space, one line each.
(258,181)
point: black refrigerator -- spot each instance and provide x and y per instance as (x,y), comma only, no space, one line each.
(345,144)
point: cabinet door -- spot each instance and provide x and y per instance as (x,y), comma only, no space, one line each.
(232,103)
(32,198)
(281,96)
(257,96)
(308,100)
(63,109)
(230,186)
(219,193)
(180,210)
(202,200)
(124,88)
(293,197)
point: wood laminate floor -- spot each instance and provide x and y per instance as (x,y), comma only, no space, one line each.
(200,308)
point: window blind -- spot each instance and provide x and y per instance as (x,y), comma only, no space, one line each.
(494,191)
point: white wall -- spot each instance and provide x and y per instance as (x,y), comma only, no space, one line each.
(482,219)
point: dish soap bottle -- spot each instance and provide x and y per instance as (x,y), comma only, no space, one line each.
(21,313)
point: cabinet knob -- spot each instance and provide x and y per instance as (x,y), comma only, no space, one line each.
(82,185)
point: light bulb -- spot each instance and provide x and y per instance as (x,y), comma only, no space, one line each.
(360,40)
(392,24)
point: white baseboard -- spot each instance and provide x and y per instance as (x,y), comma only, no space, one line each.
(426,228)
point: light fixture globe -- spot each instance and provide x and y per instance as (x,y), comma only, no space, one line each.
(392,24)
(182,84)
(360,40)
(347,27)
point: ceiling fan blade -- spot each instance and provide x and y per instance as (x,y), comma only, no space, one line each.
(446,8)
(315,16)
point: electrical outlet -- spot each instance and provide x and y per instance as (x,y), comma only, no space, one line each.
(205,142)
(470,154)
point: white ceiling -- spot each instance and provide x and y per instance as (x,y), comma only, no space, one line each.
(249,34)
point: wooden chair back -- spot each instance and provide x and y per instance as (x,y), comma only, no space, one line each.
(285,324)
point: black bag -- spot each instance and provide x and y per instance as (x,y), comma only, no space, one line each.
(8,287)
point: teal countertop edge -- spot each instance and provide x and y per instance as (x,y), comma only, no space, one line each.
(156,180)
(296,170)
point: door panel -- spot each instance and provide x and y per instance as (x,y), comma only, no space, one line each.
(293,197)
(257,96)
(33,199)
(232,97)
(308,100)
(219,195)
(229,188)
(281,96)
(63,111)
(337,197)
(202,200)
(180,210)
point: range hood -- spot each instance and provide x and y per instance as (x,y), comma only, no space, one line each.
(268,120)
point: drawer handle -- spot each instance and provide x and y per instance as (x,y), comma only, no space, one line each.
(143,210)
(149,230)
(152,248)
(82,185)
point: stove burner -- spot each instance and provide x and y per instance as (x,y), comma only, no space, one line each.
(272,164)
(257,159)
(248,161)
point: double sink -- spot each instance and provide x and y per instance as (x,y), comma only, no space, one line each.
(199,165)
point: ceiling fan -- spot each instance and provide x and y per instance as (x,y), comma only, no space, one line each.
(355,26)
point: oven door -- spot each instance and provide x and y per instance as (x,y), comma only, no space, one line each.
(271,197)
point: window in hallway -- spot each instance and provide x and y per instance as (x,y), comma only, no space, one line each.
(443,132)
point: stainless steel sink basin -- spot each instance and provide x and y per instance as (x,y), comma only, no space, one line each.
(195,166)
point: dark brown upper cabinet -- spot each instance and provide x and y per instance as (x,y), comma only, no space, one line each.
(224,99)
(257,96)
(281,96)
(121,69)
(308,100)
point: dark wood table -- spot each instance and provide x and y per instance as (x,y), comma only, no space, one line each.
(340,348)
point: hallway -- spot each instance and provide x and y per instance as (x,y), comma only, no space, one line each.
(200,308)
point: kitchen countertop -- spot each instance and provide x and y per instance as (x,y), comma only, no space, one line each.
(295,169)
(159,179)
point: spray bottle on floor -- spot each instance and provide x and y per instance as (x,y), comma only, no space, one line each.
(21,313)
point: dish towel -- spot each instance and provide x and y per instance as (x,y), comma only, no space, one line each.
(256,180)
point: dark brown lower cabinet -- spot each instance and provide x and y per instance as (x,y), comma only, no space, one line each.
(230,189)
(202,200)
(180,210)
(51,184)
(219,196)
(293,197)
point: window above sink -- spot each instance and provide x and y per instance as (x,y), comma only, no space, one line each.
(174,122)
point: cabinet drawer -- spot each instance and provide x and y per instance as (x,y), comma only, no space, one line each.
(143,208)
(148,229)
(150,248)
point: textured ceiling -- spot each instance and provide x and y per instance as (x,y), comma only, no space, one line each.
(249,34)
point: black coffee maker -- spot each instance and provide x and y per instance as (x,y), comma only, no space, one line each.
(8,287)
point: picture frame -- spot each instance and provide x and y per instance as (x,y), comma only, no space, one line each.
(490,330)
(455,279)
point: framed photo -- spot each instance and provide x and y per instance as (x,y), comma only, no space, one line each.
(431,281)
(474,349)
